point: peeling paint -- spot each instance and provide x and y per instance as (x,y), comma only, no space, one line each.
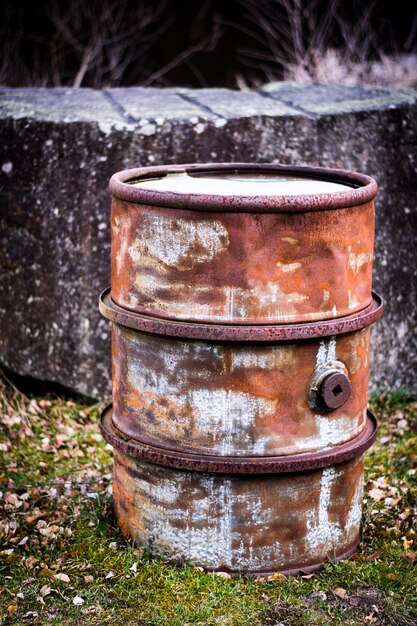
(326,352)
(179,243)
(356,261)
(239,523)
(234,399)
(289,267)
(321,531)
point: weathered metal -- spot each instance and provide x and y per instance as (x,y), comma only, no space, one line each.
(334,390)
(241,306)
(239,398)
(171,457)
(236,332)
(291,521)
(242,259)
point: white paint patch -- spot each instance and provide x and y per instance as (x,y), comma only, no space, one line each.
(177,242)
(229,413)
(272,294)
(165,492)
(296,297)
(268,359)
(321,531)
(209,531)
(354,516)
(223,418)
(326,352)
(353,300)
(356,261)
(333,431)
(289,267)
(122,230)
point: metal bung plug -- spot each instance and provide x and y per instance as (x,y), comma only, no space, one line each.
(335,390)
(330,387)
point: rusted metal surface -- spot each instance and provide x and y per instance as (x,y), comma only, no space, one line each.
(334,390)
(235,398)
(363,188)
(236,332)
(238,465)
(242,260)
(241,328)
(290,522)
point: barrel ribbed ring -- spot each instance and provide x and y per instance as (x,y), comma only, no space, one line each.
(238,465)
(235,332)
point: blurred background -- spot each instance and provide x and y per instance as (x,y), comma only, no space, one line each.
(208,43)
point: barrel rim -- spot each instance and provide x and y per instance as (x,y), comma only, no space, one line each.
(363,189)
(238,465)
(239,332)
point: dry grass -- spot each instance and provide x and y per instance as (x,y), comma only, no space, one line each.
(332,68)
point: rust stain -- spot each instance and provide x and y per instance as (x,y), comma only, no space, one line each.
(239,268)
(232,523)
(234,398)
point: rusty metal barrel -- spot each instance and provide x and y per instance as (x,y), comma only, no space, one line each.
(242,244)
(241,305)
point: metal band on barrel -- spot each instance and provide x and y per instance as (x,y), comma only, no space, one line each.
(362,189)
(239,465)
(236,332)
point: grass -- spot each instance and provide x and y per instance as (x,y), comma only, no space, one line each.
(63,560)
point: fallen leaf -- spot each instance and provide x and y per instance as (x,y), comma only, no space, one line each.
(222,574)
(63,577)
(340,593)
(134,567)
(89,578)
(113,545)
(11,609)
(111,575)
(391,501)
(410,556)
(391,576)
(23,541)
(45,591)
(77,601)
(12,501)
(377,494)
(45,571)
(277,576)
(37,514)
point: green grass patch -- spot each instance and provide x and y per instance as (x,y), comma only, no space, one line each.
(64,561)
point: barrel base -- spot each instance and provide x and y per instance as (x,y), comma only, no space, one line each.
(309,569)
(291,523)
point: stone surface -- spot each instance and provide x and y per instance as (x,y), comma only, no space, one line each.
(60,146)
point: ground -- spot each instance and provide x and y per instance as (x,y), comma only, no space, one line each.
(63,560)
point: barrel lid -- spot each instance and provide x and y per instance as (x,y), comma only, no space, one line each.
(243,187)
(238,465)
(243,184)
(240,332)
